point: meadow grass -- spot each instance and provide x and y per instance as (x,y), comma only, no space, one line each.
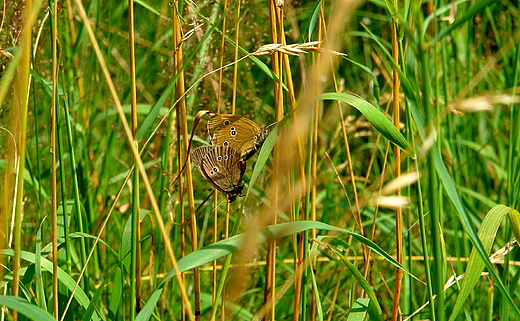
(387,186)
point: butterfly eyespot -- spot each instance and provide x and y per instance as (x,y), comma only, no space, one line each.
(233,133)
(219,158)
(225,157)
(226,143)
(232,128)
(215,169)
(226,122)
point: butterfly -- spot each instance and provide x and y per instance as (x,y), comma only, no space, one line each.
(241,133)
(222,167)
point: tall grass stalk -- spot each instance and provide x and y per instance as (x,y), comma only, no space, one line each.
(135,253)
(396,89)
(433,187)
(140,166)
(21,87)
(53,146)
(182,119)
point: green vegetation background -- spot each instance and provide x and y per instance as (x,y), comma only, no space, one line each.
(458,70)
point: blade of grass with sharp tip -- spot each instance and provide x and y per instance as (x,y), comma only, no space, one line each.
(487,234)
(359,310)
(374,308)
(476,8)
(374,116)
(266,150)
(231,245)
(26,308)
(80,296)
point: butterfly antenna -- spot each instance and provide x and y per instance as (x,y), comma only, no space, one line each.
(199,115)
(204,201)
(267,129)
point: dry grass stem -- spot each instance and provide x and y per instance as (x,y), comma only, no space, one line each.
(294,49)
(482,103)
(392,201)
(401,182)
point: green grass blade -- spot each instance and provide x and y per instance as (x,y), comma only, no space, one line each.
(147,310)
(40,293)
(80,296)
(451,192)
(314,19)
(154,112)
(514,218)
(319,307)
(263,156)
(359,311)
(116,293)
(374,309)
(240,312)
(478,7)
(26,308)
(487,234)
(233,244)
(391,8)
(374,116)
(266,150)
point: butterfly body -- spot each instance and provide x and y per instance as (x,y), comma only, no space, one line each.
(222,167)
(243,134)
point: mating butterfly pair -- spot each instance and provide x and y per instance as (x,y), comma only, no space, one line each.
(234,140)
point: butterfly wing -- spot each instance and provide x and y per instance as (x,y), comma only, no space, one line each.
(241,133)
(221,167)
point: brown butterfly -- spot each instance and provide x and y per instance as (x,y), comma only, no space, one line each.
(221,167)
(241,133)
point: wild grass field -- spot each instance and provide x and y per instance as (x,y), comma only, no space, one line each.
(387,187)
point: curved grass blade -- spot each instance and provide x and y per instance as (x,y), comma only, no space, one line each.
(319,306)
(374,309)
(487,234)
(26,308)
(391,8)
(476,8)
(266,150)
(80,296)
(374,116)
(314,19)
(453,196)
(359,311)
(233,244)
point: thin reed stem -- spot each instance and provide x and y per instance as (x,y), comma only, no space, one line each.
(397,170)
